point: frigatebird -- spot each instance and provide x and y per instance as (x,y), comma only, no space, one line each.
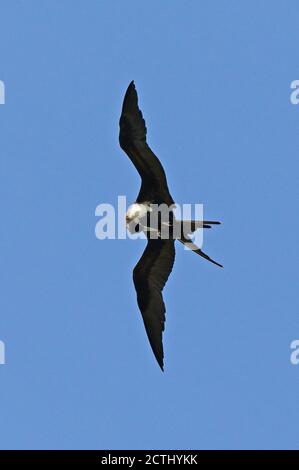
(152,270)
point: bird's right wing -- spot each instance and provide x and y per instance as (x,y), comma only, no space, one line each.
(150,276)
(132,139)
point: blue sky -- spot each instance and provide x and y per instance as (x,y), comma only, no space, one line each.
(214,85)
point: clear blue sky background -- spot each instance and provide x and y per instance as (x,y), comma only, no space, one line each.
(214,85)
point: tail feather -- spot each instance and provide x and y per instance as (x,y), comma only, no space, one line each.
(189,226)
(212,222)
(187,242)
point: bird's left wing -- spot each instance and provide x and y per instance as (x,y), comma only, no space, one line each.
(132,139)
(150,276)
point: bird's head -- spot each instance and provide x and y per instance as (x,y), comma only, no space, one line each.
(135,212)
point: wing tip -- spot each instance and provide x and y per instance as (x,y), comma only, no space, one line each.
(130,102)
(159,355)
(131,86)
(161,365)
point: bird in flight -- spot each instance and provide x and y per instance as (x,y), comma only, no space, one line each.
(152,270)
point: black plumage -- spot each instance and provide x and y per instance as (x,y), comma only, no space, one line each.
(156,263)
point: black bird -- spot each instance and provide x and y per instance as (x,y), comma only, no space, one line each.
(152,270)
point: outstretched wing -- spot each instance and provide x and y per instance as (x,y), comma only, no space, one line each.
(150,275)
(132,139)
